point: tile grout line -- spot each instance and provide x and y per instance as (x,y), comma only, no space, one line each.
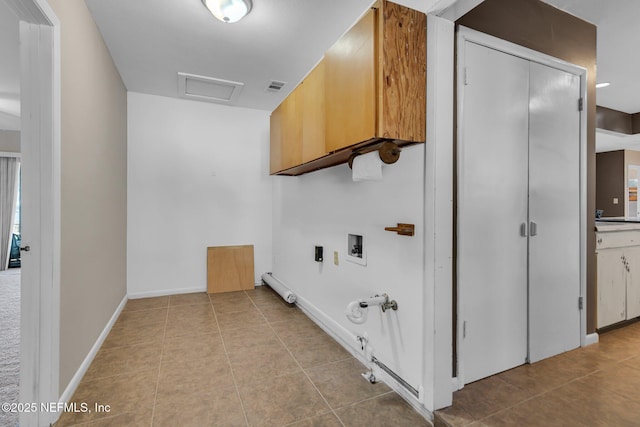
(118,349)
(593,372)
(226,353)
(535,395)
(298,363)
(164,336)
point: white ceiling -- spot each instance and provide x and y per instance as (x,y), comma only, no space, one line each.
(618,57)
(10,70)
(611,141)
(152,40)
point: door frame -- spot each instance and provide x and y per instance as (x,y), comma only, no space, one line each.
(40,60)
(465,34)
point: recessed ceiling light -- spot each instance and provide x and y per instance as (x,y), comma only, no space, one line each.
(603,84)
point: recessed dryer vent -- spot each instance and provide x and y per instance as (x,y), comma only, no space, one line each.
(208,89)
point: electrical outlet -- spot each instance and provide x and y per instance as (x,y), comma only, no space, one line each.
(615,200)
(336,260)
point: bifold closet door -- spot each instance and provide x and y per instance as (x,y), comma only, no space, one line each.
(554,212)
(492,207)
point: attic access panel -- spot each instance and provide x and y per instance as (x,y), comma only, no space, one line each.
(208,89)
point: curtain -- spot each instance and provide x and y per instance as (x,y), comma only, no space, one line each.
(8,184)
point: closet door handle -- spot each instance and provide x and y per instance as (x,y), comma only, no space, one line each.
(523,229)
(533,229)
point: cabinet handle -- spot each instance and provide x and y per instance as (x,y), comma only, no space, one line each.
(523,229)
(533,229)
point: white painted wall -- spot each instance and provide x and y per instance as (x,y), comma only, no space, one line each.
(321,208)
(197,177)
(10,141)
(93,186)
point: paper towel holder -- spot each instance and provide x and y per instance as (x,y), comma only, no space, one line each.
(388,151)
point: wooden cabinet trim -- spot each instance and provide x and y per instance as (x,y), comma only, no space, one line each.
(402,53)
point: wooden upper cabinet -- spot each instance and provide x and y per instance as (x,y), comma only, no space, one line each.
(370,87)
(350,96)
(286,133)
(402,76)
(313,114)
(297,125)
(376,79)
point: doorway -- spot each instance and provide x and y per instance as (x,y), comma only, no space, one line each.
(519,265)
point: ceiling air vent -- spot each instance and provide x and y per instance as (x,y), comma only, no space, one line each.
(208,89)
(275,86)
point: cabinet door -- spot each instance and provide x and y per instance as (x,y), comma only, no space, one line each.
(611,287)
(286,133)
(350,93)
(632,255)
(313,112)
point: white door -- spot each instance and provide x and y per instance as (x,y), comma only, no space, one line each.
(492,207)
(518,212)
(40,303)
(554,212)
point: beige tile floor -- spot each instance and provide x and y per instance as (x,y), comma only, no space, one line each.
(235,359)
(597,385)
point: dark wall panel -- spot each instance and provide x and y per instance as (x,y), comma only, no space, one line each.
(610,182)
(635,123)
(614,120)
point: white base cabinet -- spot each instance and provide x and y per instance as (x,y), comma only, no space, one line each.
(632,255)
(618,258)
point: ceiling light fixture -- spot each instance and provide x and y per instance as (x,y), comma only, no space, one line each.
(228,10)
(604,84)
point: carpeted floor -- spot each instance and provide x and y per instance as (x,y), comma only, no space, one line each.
(9,342)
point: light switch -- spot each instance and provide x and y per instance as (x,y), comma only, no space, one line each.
(615,200)
(335,258)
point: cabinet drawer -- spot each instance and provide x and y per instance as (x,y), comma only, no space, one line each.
(617,239)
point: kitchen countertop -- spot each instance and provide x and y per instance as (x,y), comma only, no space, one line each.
(618,223)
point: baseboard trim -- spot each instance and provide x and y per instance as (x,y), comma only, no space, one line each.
(73,384)
(349,341)
(591,339)
(163,293)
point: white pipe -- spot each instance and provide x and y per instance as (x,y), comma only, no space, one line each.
(377,300)
(355,313)
(279,287)
(357,310)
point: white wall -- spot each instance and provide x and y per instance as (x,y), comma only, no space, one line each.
(10,141)
(197,177)
(93,198)
(321,208)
